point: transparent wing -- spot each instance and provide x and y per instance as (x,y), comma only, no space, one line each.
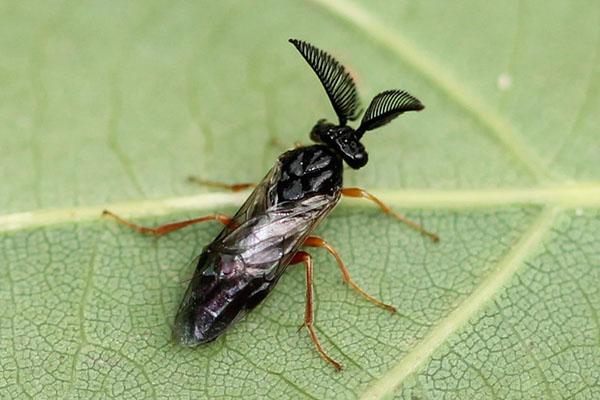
(337,82)
(262,197)
(235,274)
(266,242)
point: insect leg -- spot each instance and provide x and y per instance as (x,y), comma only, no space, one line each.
(236,187)
(315,241)
(305,258)
(358,192)
(163,229)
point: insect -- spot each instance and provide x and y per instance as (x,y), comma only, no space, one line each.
(241,266)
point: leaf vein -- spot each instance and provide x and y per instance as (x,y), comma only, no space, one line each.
(455,320)
(499,127)
(593,83)
(83,340)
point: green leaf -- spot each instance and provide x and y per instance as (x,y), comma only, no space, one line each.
(113,105)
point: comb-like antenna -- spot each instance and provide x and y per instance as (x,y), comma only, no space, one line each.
(385,107)
(335,79)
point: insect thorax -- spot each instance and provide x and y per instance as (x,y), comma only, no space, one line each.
(308,171)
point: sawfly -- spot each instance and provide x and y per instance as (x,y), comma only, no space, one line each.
(242,265)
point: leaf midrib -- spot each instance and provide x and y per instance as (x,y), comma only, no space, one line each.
(565,196)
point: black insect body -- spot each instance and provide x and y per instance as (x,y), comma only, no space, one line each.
(238,269)
(241,266)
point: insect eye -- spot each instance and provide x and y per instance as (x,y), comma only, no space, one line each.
(319,130)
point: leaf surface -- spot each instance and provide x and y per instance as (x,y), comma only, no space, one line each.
(113,106)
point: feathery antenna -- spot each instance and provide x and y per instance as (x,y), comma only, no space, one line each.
(385,107)
(337,82)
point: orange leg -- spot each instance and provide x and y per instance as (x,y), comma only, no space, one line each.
(358,192)
(163,229)
(315,241)
(237,187)
(305,258)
